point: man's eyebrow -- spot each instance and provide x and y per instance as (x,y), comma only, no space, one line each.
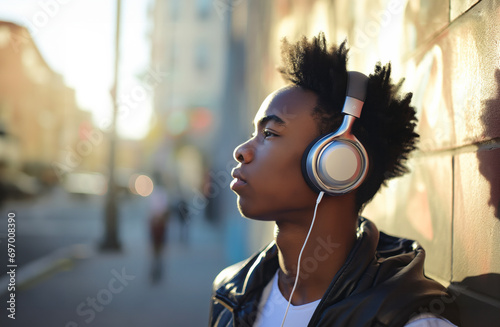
(274,118)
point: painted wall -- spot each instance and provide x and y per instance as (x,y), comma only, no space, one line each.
(450,202)
(449,54)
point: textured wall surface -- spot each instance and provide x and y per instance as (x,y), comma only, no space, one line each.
(449,54)
(450,201)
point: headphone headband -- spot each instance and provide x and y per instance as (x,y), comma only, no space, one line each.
(356,94)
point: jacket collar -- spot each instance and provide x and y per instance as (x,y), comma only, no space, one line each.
(248,278)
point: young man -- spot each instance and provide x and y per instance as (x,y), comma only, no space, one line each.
(349,273)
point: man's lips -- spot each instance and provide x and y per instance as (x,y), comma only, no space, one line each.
(238,181)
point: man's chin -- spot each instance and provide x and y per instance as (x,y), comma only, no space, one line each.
(249,212)
(244,212)
(255,210)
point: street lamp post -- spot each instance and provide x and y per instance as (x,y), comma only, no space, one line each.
(111,241)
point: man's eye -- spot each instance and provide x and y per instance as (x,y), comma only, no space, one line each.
(267,133)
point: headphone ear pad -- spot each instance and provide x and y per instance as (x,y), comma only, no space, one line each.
(339,165)
(304,164)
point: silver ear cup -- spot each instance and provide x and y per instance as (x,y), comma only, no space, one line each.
(338,163)
(341,166)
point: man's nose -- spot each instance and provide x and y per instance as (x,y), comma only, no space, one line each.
(243,152)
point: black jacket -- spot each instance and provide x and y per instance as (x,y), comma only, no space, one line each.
(381,284)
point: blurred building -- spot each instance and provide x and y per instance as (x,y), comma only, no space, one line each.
(448,53)
(38,112)
(44,136)
(189,45)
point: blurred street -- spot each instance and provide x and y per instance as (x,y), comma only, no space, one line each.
(62,279)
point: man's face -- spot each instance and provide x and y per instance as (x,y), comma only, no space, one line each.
(268,179)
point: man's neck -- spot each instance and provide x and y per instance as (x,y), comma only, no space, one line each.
(331,240)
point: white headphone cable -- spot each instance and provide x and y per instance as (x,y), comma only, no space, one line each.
(320,196)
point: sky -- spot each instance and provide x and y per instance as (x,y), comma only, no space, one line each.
(77,40)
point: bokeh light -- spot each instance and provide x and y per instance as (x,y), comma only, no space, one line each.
(141,185)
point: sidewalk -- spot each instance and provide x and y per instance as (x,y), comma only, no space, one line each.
(84,287)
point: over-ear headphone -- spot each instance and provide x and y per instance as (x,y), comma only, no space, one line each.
(337,163)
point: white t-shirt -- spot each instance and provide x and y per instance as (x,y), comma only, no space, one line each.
(273,305)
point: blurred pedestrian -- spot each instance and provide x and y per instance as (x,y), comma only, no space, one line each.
(184,220)
(158,226)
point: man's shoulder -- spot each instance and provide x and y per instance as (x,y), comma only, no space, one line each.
(228,273)
(237,272)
